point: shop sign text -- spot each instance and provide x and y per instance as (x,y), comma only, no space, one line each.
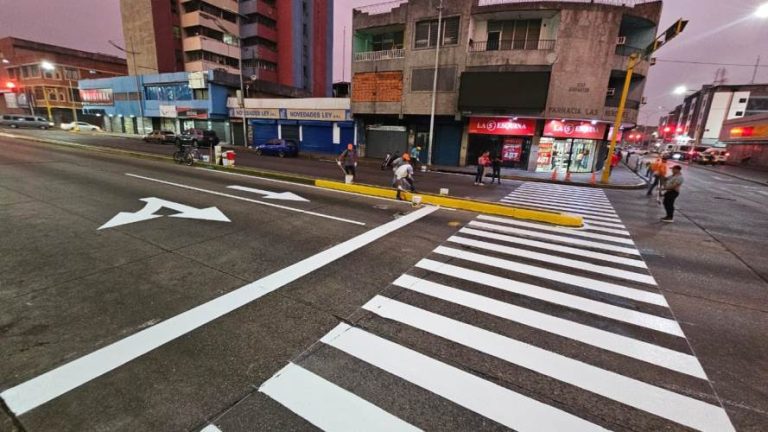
(574,129)
(502,126)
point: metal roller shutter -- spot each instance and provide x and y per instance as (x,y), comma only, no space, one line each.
(318,137)
(263,130)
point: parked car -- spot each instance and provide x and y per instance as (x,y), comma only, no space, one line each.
(278,147)
(198,137)
(696,152)
(160,137)
(678,153)
(713,156)
(22,121)
(83,126)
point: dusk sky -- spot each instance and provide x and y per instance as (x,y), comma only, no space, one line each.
(720,31)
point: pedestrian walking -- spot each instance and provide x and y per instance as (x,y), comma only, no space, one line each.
(671,192)
(482,163)
(615,159)
(348,160)
(659,173)
(496,166)
(405,157)
(404,178)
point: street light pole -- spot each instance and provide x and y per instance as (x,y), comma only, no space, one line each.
(434,84)
(633,60)
(139,85)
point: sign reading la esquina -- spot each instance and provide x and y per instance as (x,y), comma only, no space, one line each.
(527,127)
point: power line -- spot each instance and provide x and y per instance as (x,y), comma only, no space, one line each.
(710,63)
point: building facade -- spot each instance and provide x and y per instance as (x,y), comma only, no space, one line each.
(536,82)
(171,101)
(699,119)
(287,42)
(747,140)
(42,79)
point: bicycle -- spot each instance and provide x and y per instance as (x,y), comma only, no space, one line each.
(186,155)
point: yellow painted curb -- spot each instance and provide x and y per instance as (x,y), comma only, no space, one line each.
(554,218)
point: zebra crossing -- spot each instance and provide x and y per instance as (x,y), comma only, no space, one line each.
(511,325)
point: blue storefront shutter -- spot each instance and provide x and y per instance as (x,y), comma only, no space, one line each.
(347,133)
(263,130)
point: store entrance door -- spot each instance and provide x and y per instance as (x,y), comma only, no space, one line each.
(561,154)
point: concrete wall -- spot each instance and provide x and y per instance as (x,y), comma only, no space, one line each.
(139,35)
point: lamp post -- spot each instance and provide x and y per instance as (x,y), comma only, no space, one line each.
(434,84)
(49,67)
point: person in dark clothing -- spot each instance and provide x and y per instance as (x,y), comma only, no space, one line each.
(348,159)
(672,191)
(496,166)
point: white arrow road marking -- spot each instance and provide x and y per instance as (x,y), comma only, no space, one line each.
(155,204)
(284,196)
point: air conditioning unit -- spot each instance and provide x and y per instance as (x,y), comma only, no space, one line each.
(611,92)
(621,40)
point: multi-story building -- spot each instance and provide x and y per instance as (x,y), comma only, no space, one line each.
(42,79)
(699,119)
(537,82)
(285,42)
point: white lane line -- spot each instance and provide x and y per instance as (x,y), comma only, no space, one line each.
(556,229)
(490,400)
(589,226)
(557,248)
(640,319)
(268,204)
(664,403)
(555,238)
(618,225)
(210,428)
(604,214)
(328,406)
(563,188)
(54,383)
(556,260)
(558,200)
(557,276)
(562,195)
(640,350)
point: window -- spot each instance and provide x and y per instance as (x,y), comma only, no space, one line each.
(423,78)
(174,7)
(739,113)
(260,41)
(743,100)
(39,93)
(387,41)
(513,34)
(176,32)
(260,64)
(71,74)
(426,33)
(757,105)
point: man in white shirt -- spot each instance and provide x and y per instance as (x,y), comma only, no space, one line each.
(404,178)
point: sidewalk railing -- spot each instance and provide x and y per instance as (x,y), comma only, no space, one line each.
(512,45)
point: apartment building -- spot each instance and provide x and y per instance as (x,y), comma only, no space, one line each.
(536,82)
(287,43)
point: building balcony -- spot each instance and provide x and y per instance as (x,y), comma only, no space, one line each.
(197,43)
(197,18)
(512,45)
(379,55)
(257,52)
(205,65)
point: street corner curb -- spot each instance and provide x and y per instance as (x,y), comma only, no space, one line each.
(632,186)
(554,218)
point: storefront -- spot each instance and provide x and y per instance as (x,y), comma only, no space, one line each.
(508,138)
(570,146)
(747,140)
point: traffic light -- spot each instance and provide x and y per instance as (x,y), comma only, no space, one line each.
(675,30)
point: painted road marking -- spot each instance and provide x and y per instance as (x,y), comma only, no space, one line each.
(627,346)
(268,204)
(284,196)
(490,400)
(607,215)
(595,202)
(560,201)
(589,226)
(557,276)
(557,248)
(557,260)
(637,394)
(41,389)
(156,204)
(594,307)
(555,229)
(211,428)
(555,238)
(328,406)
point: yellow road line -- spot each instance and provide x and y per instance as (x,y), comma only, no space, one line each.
(555,218)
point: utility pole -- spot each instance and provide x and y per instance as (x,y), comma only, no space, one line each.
(344,56)
(139,86)
(754,73)
(434,83)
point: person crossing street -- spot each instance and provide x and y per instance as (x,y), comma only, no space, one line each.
(348,159)
(659,173)
(672,191)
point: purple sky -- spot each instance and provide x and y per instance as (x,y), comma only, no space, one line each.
(720,31)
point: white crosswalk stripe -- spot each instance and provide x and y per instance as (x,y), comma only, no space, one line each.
(577,308)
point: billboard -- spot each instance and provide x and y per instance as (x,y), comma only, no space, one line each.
(102,97)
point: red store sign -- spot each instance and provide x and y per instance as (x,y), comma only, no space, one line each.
(96,96)
(501,126)
(574,129)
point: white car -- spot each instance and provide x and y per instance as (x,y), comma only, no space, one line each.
(83,126)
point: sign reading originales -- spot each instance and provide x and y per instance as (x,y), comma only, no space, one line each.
(97,96)
(502,126)
(574,129)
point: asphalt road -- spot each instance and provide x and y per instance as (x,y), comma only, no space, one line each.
(434,320)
